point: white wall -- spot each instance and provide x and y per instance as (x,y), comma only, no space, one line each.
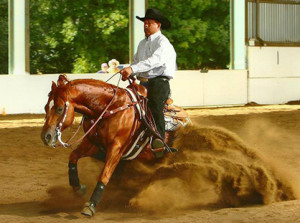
(29,93)
(274,74)
(273,77)
(273,62)
(274,90)
(214,88)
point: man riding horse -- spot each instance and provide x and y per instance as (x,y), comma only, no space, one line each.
(154,60)
(113,119)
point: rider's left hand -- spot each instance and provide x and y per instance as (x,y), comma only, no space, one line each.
(125,72)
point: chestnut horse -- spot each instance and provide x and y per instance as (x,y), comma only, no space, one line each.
(109,136)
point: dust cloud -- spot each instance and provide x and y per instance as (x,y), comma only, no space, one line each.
(214,167)
(62,199)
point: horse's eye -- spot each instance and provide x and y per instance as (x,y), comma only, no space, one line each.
(59,110)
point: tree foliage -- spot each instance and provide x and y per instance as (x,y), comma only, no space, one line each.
(4,37)
(77,36)
(200,31)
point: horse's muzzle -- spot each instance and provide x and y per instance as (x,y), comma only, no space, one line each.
(49,138)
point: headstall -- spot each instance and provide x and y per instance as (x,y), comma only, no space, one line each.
(60,124)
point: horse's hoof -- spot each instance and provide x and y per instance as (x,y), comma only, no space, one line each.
(88,210)
(81,190)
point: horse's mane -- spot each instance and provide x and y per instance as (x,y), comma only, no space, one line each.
(63,83)
(92,82)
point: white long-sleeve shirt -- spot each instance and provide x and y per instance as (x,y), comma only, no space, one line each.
(155,56)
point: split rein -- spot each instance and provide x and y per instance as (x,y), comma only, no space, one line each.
(60,124)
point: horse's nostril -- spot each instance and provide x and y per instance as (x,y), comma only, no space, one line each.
(48,137)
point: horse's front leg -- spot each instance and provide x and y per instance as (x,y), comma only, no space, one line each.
(113,157)
(85,149)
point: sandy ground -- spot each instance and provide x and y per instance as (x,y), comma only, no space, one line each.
(238,164)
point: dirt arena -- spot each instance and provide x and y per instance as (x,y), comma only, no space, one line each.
(238,164)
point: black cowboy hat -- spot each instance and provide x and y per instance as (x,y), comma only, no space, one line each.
(156,15)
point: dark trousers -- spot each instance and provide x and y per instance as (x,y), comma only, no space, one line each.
(158,93)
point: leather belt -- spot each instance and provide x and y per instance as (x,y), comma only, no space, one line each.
(164,78)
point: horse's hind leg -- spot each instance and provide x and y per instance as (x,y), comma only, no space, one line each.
(83,150)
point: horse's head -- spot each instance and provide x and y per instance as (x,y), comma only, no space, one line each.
(59,111)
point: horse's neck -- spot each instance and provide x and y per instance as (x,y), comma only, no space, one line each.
(91,97)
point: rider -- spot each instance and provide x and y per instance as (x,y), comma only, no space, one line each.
(154,60)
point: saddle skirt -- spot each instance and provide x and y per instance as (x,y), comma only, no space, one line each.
(175,117)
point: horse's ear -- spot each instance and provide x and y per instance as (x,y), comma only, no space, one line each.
(62,80)
(53,87)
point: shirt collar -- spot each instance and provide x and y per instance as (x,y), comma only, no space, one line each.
(154,36)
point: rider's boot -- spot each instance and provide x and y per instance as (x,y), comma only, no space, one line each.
(158,148)
(157,143)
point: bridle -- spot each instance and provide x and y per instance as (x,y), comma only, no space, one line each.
(60,124)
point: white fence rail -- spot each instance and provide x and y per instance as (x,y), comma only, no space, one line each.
(273,78)
(28,93)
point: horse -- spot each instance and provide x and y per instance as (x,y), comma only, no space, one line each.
(111,120)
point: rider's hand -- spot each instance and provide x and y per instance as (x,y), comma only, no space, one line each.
(125,72)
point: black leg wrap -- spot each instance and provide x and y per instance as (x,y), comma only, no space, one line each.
(96,196)
(73,175)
